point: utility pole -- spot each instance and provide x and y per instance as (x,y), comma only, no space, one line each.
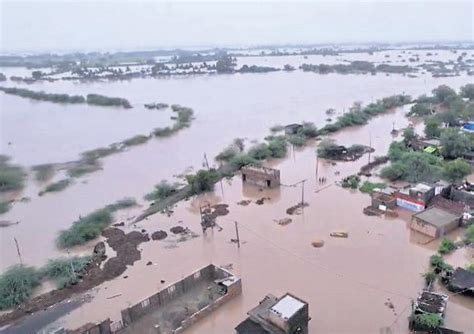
(370,145)
(317,164)
(207,162)
(237,233)
(18,251)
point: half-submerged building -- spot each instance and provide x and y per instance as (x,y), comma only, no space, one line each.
(285,315)
(261,176)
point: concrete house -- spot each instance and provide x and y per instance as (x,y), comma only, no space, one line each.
(261,176)
(415,198)
(285,315)
(434,222)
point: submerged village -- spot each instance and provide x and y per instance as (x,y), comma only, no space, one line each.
(325,189)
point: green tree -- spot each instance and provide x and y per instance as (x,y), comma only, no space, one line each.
(454,144)
(202,181)
(432,128)
(457,170)
(408,135)
(468,91)
(443,92)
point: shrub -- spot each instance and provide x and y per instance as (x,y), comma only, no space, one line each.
(438,264)
(260,152)
(470,235)
(136,140)
(101,100)
(351,182)
(62,273)
(4,206)
(454,144)
(56,186)
(278,148)
(161,191)
(100,152)
(297,140)
(368,187)
(242,160)
(17,285)
(91,226)
(228,153)
(202,181)
(11,176)
(163,132)
(470,267)
(429,277)
(427,320)
(84,166)
(308,130)
(42,96)
(456,170)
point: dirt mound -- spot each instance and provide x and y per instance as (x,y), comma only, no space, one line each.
(177,229)
(220,210)
(284,221)
(244,202)
(159,235)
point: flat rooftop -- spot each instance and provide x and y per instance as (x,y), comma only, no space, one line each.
(287,306)
(422,187)
(436,216)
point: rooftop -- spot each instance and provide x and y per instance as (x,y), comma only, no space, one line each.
(431,302)
(462,279)
(265,170)
(422,187)
(436,216)
(249,326)
(287,306)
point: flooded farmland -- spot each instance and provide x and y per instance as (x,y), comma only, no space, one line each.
(347,278)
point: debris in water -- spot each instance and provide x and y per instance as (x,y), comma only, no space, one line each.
(220,210)
(339,234)
(159,235)
(162,281)
(149,263)
(119,224)
(317,243)
(114,296)
(262,200)
(284,221)
(244,202)
(296,209)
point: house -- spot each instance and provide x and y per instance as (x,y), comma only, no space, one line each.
(460,280)
(434,222)
(285,315)
(415,198)
(428,303)
(463,194)
(292,129)
(383,201)
(261,176)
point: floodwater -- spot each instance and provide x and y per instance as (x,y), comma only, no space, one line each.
(381,258)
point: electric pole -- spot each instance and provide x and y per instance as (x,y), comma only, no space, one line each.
(18,251)
(237,233)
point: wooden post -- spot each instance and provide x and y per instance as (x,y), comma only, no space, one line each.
(207,162)
(302,193)
(237,233)
(370,145)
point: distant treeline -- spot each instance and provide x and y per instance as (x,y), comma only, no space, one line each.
(93,99)
(356,67)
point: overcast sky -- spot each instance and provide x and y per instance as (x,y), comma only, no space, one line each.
(102,25)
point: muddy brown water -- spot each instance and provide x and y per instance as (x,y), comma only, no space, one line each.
(354,277)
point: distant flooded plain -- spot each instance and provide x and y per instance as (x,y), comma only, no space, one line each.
(348,279)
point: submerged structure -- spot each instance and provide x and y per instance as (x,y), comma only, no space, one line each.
(176,307)
(285,315)
(261,176)
(428,303)
(460,281)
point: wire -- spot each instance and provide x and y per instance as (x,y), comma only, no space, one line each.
(330,270)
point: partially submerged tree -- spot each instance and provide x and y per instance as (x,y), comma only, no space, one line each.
(454,144)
